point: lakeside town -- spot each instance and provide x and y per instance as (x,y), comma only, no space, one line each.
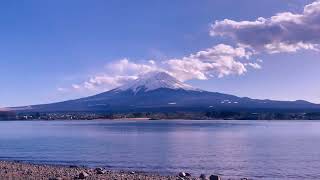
(209,115)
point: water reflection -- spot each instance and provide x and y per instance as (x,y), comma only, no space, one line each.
(256,149)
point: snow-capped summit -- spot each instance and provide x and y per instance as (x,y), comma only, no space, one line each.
(155,80)
(160,92)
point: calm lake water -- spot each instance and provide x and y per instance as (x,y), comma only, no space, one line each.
(255,149)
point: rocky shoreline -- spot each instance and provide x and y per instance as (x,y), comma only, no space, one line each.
(25,171)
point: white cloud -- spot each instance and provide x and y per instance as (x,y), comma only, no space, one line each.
(152,62)
(106,81)
(284,32)
(116,74)
(125,67)
(75,86)
(218,61)
(254,65)
(62,89)
(284,47)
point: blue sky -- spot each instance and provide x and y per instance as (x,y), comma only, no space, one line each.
(50,49)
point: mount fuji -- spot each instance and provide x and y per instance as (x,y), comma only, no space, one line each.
(160,92)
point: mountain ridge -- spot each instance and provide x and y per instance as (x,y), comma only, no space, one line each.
(159,91)
(155,80)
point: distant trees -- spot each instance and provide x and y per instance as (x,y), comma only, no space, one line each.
(212,114)
(262,115)
(6,115)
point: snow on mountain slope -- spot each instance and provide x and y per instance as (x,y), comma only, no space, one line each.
(159,92)
(155,80)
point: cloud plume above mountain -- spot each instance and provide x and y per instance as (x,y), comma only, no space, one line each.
(218,61)
(283,32)
(116,74)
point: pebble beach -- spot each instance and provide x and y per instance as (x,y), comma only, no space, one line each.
(25,171)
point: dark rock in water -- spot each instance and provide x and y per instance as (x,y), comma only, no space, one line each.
(182,174)
(188,174)
(132,172)
(203,177)
(244,178)
(215,177)
(83,175)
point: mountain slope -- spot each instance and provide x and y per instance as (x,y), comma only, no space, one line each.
(158,92)
(153,81)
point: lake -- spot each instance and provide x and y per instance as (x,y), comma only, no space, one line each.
(235,149)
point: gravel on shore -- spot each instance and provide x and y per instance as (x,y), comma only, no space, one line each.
(25,171)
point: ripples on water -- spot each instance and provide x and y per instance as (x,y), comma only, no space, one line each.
(255,149)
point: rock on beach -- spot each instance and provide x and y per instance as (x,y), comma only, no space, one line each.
(25,171)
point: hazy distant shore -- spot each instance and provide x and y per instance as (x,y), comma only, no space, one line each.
(23,171)
(208,115)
